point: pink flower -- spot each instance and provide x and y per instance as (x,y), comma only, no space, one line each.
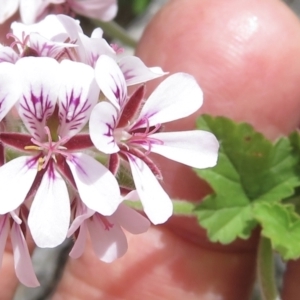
(108,239)
(118,127)
(55,105)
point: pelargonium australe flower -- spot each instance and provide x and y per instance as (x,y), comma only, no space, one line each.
(34,10)
(55,104)
(118,127)
(108,239)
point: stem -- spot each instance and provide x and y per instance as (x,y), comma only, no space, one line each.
(116,31)
(180,207)
(265,270)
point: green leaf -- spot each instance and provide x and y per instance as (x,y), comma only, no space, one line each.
(250,169)
(281,224)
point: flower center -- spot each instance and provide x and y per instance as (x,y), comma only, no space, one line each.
(49,149)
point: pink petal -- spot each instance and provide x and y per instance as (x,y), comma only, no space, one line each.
(10,90)
(176,97)
(4,229)
(196,148)
(108,244)
(157,204)
(49,215)
(97,186)
(19,172)
(22,260)
(135,71)
(111,80)
(82,213)
(78,95)
(79,245)
(102,125)
(131,220)
(40,86)
(7,54)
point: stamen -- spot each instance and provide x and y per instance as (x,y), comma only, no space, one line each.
(22,43)
(32,147)
(50,148)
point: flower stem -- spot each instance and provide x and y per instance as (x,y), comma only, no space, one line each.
(116,31)
(180,207)
(265,270)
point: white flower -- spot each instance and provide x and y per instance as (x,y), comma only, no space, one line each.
(55,105)
(115,128)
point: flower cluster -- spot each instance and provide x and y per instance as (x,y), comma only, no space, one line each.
(69,128)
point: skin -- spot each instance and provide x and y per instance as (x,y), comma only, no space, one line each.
(244,55)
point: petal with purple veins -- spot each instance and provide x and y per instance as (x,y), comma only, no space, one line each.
(40,86)
(135,71)
(102,124)
(176,97)
(111,81)
(77,97)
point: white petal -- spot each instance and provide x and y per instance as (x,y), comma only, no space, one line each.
(101,10)
(8,8)
(196,148)
(10,90)
(30,10)
(108,244)
(92,47)
(78,95)
(102,125)
(57,28)
(79,245)
(131,220)
(40,86)
(4,229)
(111,80)
(135,71)
(157,204)
(16,179)
(49,215)
(22,260)
(176,97)
(97,186)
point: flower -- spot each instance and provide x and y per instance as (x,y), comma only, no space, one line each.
(54,106)
(118,127)
(34,10)
(108,239)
